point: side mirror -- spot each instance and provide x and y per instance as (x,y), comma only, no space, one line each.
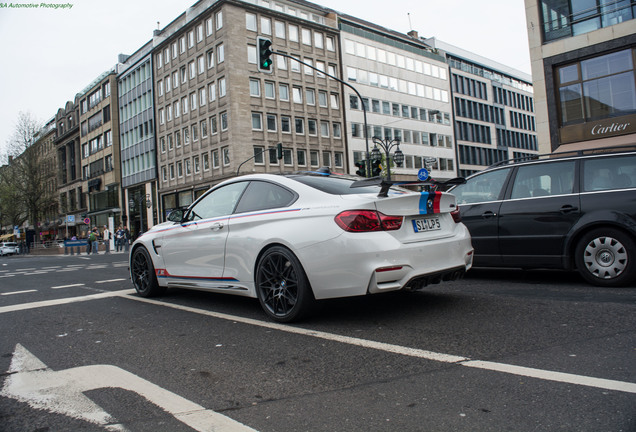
(176,216)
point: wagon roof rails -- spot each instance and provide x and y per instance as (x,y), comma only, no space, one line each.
(564,154)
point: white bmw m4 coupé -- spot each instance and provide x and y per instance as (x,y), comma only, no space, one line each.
(292,239)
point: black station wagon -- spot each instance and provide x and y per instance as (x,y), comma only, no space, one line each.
(563,211)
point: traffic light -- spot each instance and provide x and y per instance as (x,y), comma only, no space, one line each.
(279,151)
(376,168)
(362,168)
(264,54)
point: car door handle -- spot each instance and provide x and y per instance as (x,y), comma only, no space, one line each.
(568,209)
(488,214)
(216,226)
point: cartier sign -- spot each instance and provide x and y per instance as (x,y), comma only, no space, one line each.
(598,129)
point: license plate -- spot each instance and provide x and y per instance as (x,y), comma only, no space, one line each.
(428,224)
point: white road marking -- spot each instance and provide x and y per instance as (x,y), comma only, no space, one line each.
(110,280)
(67,286)
(30,380)
(583,380)
(423,354)
(18,292)
(56,302)
(553,376)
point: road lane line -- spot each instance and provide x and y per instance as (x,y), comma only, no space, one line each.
(414,352)
(18,292)
(67,286)
(57,302)
(547,375)
(110,280)
(553,376)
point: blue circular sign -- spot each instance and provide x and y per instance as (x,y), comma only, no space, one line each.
(422,174)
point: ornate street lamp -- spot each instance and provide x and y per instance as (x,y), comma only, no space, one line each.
(387,145)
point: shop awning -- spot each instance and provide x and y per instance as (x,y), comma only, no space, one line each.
(6,237)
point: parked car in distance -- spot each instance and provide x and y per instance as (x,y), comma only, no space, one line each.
(8,248)
(561,211)
(289,240)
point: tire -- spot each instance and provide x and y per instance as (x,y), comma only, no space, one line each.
(143,274)
(606,257)
(282,286)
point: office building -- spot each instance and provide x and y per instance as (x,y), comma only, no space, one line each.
(583,63)
(72,200)
(217,115)
(99,135)
(493,109)
(137,140)
(404,87)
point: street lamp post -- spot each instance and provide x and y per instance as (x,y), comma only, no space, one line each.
(387,145)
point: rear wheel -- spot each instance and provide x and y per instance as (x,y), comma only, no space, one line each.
(143,274)
(282,286)
(606,257)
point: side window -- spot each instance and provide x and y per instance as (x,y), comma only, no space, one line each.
(544,179)
(609,173)
(263,195)
(220,202)
(481,188)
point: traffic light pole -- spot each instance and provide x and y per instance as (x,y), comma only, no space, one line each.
(364,108)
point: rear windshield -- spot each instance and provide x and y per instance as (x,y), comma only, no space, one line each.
(339,185)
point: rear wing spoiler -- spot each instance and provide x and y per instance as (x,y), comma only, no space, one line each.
(385,184)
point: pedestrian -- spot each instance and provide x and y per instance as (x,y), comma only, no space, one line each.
(106,237)
(126,239)
(119,239)
(92,242)
(95,242)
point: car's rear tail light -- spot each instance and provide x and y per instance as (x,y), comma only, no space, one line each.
(367,220)
(457,216)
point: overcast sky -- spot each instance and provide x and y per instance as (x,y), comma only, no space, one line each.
(49,55)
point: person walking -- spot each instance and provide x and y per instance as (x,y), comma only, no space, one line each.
(126,239)
(106,237)
(119,239)
(92,242)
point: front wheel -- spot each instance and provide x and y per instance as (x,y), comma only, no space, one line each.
(143,274)
(606,257)
(282,286)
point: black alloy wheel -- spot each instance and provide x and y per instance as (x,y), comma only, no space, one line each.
(143,274)
(282,286)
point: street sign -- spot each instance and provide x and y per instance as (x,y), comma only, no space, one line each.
(87,221)
(70,218)
(422,174)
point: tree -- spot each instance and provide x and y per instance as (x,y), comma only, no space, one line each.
(23,182)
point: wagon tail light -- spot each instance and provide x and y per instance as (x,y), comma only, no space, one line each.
(367,221)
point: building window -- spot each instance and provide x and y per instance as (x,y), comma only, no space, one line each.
(271,122)
(257,121)
(283,92)
(255,87)
(301,157)
(220,54)
(270,90)
(597,88)
(564,19)
(250,21)
(224,121)
(299,125)
(285,124)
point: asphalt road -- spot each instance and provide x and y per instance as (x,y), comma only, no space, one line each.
(497,351)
